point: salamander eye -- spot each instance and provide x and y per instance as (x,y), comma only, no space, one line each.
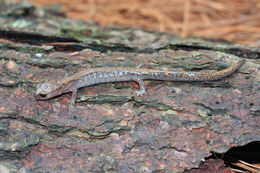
(43,95)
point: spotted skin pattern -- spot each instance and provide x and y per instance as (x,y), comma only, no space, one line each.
(95,76)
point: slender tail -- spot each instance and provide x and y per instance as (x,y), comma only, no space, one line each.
(228,71)
(195,76)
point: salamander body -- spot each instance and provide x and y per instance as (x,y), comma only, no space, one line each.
(95,76)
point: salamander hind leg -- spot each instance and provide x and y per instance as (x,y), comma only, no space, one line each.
(142,90)
(139,66)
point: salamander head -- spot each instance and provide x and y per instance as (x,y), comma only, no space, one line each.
(48,90)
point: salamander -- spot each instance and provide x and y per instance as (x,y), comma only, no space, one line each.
(95,76)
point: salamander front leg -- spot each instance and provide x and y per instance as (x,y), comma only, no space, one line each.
(142,90)
(73,97)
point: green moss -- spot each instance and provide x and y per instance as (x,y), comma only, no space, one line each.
(7,168)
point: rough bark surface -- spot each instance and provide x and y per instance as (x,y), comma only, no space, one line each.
(171,129)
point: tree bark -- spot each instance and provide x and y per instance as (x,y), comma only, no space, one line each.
(171,129)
